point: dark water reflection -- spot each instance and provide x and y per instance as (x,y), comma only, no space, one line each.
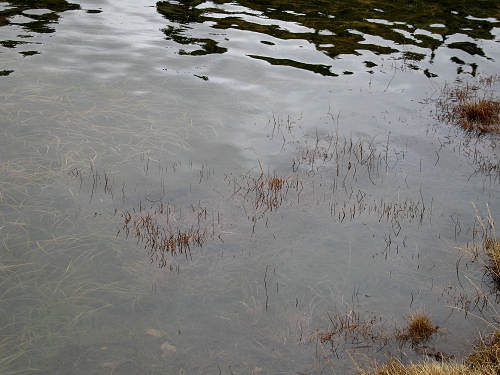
(414,29)
(29,17)
(34,16)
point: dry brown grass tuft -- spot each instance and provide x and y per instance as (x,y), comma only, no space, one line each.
(486,354)
(163,231)
(419,329)
(492,250)
(396,367)
(481,115)
(471,106)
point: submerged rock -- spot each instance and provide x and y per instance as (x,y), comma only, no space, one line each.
(155,332)
(168,348)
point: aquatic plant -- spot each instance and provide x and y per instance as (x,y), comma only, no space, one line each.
(164,231)
(352,328)
(473,106)
(418,330)
(265,193)
(479,115)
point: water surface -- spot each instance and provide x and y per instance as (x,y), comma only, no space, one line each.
(185,111)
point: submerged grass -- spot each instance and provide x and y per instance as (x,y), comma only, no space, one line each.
(52,286)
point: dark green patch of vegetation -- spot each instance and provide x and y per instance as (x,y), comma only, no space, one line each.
(468,47)
(456,60)
(205,78)
(345,36)
(324,70)
(29,53)
(41,23)
(11,43)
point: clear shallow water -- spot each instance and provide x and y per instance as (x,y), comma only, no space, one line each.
(121,106)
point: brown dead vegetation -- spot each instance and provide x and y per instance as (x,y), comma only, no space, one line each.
(163,231)
(486,353)
(492,250)
(352,327)
(396,367)
(419,329)
(483,360)
(471,106)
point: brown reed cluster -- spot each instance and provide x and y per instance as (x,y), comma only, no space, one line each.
(471,106)
(348,154)
(389,211)
(154,228)
(270,191)
(486,353)
(419,329)
(480,115)
(492,250)
(267,192)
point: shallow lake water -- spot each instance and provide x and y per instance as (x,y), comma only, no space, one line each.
(201,187)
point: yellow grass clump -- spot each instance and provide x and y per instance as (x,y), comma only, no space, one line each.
(396,367)
(486,354)
(492,249)
(480,115)
(474,106)
(484,360)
